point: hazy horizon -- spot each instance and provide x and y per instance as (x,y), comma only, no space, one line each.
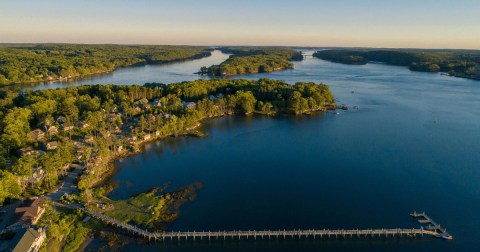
(440,24)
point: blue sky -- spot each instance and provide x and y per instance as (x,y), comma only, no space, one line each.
(372,23)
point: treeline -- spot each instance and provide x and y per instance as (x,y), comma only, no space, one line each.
(249,60)
(456,63)
(51,62)
(98,121)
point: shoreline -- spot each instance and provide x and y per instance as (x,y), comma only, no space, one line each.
(104,177)
(69,80)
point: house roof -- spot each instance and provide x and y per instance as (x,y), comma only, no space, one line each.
(29,213)
(53,143)
(23,240)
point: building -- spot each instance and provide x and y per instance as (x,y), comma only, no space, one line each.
(27,240)
(83,125)
(29,214)
(52,130)
(119,148)
(51,145)
(26,151)
(189,105)
(147,137)
(66,128)
(37,134)
(157,103)
(116,130)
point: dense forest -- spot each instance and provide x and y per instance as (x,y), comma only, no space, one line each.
(456,63)
(50,62)
(43,132)
(249,60)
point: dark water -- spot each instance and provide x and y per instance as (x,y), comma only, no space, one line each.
(413,144)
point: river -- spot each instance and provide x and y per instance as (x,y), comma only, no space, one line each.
(412,144)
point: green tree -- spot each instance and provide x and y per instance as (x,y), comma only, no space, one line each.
(15,128)
(9,186)
(245,101)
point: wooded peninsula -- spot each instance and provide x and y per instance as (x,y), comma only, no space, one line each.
(43,133)
(459,63)
(25,63)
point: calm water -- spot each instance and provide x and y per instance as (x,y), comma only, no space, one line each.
(165,73)
(413,144)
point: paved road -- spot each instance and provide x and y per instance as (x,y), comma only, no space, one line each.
(69,185)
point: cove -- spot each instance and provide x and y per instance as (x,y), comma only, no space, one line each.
(412,144)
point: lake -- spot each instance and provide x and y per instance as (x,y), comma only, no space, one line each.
(412,144)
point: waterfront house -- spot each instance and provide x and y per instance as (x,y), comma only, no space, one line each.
(37,135)
(27,240)
(132,140)
(119,148)
(147,137)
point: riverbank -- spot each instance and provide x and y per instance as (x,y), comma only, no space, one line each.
(70,79)
(456,63)
(38,63)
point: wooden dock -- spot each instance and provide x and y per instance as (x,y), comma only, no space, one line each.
(439,231)
(434,231)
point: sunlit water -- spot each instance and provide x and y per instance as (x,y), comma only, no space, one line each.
(163,73)
(412,144)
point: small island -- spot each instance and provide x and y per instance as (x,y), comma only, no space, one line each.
(251,60)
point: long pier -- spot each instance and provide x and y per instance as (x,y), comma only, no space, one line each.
(433,231)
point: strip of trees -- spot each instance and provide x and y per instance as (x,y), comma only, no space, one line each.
(459,63)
